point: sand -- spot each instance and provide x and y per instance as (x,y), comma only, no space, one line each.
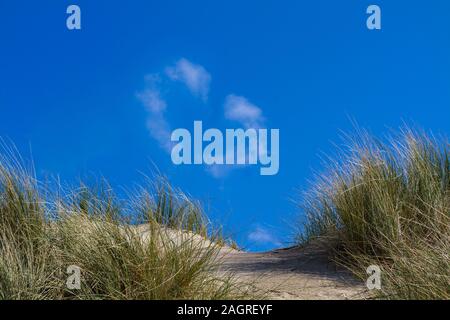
(296,273)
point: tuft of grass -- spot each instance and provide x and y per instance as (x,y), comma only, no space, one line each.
(43,232)
(387,203)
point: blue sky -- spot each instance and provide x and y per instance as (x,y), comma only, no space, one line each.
(86,101)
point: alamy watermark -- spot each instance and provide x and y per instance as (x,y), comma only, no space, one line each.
(73,21)
(236,146)
(374,280)
(73,281)
(374,20)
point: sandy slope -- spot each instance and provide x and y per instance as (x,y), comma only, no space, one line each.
(291,273)
(294,273)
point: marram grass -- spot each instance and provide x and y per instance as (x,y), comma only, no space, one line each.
(42,233)
(388,204)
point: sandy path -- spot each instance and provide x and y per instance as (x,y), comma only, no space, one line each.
(294,273)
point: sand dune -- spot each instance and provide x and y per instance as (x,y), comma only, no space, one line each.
(295,274)
(291,273)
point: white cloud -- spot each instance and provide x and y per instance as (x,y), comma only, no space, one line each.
(197,79)
(262,236)
(218,171)
(159,129)
(151,99)
(239,109)
(157,124)
(194,76)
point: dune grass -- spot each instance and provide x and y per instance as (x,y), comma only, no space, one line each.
(387,203)
(44,232)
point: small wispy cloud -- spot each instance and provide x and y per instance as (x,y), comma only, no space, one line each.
(218,171)
(238,108)
(194,76)
(151,96)
(261,235)
(152,100)
(241,110)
